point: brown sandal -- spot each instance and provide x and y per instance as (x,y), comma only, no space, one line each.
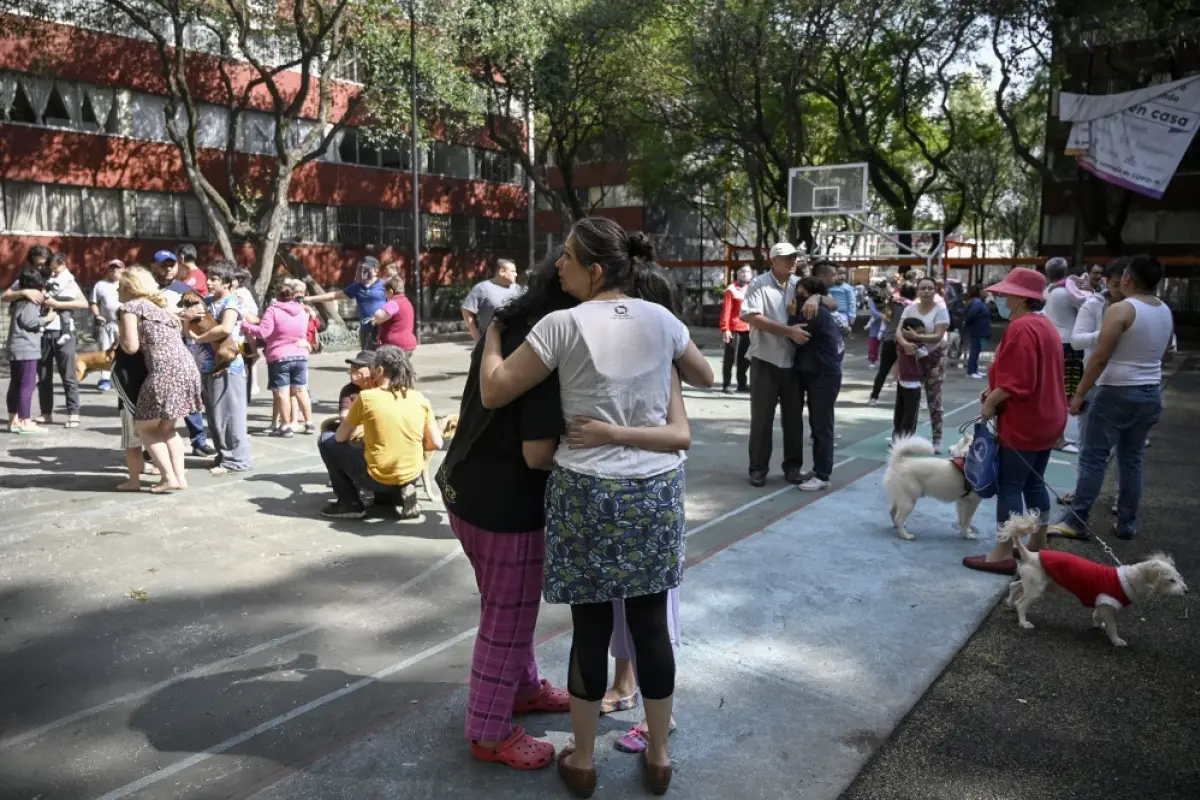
(658,779)
(580,782)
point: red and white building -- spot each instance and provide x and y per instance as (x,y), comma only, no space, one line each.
(87,168)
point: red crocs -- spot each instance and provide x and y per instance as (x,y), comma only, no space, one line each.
(549,700)
(519,751)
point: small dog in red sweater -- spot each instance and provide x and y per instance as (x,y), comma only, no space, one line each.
(1105,589)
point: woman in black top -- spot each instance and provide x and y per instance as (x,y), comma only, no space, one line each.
(493,482)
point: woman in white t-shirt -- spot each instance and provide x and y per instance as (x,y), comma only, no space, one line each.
(936,320)
(614,514)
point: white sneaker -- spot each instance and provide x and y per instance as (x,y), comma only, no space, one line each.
(976,376)
(1070,448)
(813,484)
(873,402)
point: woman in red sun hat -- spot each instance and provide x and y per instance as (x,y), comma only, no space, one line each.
(1025,397)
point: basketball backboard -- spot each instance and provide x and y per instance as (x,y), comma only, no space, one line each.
(838,189)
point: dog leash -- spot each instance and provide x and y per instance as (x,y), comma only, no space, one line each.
(1107,550)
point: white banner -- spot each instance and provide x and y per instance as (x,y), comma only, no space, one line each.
(1134,139)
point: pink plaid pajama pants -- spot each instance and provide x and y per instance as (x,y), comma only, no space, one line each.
(508,572)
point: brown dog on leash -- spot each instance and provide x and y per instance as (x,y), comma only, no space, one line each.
(95,361)
(226,350)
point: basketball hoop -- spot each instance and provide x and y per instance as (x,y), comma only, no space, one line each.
(842,190)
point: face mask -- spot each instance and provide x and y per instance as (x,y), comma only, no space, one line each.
(1002,306)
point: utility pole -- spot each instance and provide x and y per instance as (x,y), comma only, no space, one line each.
(419,283)
(530,188)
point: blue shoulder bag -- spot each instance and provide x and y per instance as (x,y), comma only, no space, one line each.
(982,467)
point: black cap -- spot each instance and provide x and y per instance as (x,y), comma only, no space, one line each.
(365,358)
(369,262)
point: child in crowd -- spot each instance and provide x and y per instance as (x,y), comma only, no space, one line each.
(26,323)
(911,369)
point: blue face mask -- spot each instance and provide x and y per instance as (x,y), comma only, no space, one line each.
(1002,306)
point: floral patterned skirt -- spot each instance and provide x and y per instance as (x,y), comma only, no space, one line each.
(612,538)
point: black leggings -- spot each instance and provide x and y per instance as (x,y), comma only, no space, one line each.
(647,620)
(887,360)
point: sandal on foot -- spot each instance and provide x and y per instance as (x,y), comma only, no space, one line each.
(519,751)
(613,705)
(636,739)
(657,778)
(549,699)
(581,782)
(1005,566)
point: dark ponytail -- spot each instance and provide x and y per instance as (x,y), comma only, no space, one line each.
(599,240)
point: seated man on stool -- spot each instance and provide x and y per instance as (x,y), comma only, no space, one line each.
(397,427)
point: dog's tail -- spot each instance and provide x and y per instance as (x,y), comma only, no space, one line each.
(1018,526)
(910,446)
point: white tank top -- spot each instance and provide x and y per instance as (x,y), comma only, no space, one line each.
(1137,358)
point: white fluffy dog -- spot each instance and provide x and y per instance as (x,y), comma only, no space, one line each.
(914,472)
(1106,589)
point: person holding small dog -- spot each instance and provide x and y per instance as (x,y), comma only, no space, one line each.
(26,322)
(1025,398)
(935,322)
(398,426)
(172,386)
(910,377)
(224,390)
(104,315)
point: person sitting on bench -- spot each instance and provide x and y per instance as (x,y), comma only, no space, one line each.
(397,425)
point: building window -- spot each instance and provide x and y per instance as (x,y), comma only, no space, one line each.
(52,208)
(155,216)
(494,166)
(397,227)
(437,231)
(349,231)
(103,212)
(450,160)
(307,223)
(256,133)
(24,207)
(462,233)
(148,116)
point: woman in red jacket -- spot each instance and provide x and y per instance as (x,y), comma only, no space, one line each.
(1025,397)
(736,333)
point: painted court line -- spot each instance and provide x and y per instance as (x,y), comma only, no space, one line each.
(282,719)
(216,666)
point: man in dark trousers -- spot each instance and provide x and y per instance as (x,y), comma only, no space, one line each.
(772,353)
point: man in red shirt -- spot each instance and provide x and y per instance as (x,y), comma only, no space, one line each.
(190,272)
(1025,398)
(736,333)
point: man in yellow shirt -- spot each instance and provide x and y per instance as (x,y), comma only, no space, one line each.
(397,428)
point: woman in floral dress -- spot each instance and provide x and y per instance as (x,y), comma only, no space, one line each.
(172,387)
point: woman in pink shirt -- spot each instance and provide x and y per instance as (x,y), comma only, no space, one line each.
(284,330)
(395,321)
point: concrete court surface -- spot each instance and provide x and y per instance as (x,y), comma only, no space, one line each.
(206,644)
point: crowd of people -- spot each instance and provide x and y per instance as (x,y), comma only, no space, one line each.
(564,480)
